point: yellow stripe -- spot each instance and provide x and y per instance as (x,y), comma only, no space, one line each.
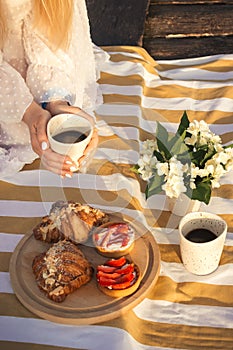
(132,49)
(229,220)
(219,65)
(11,306)
(224,191)
(129,80)
(174,336)
(193,293)
(5,261)
(174,116)
(171,253)
(17,225)
(175,90)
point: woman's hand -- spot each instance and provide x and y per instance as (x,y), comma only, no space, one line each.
(37,118)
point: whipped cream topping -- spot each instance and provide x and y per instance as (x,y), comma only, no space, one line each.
(116,236)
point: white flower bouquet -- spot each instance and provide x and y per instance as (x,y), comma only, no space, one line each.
(191,161)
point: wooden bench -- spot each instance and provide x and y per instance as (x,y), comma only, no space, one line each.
(165,28)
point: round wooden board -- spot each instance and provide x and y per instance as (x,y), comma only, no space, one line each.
(88,304)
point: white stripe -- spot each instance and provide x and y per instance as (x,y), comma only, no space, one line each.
(115,182)
(218,129)
(125,69)
(136,90)
(178,273)
(124,53)
(86,181)
(223,104)
(192,84)
(5,283)
(196,60)
(126,132)
(8,242)
(188,315)
(36,331)
(216,205)
(123,109)
(219,205)
(198,74)
(24,208)
(126,156)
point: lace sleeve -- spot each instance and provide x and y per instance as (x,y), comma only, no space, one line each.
(50,75)
(15,96)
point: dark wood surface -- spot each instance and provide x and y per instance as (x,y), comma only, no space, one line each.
(177,29)
(165,28)
(117,22)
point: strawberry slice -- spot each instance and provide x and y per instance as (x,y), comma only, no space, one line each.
(106,282)
(108,275)
(124,285)
(125,278)
(105,268)
(117,262)
(127,268)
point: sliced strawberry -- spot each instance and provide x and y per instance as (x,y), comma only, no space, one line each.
(125,278)
(127,268)
(106,282)
(117,262)
(105,268)
(108,275)
(122,285)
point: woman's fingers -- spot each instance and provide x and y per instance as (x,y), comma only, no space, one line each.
(57,163)
(90,149)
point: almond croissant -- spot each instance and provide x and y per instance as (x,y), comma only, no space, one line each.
(61,270)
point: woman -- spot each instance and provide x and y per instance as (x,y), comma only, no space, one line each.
(47,66)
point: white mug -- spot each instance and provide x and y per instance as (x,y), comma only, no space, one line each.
(62,130)
(201,256)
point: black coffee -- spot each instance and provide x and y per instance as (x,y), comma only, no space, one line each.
(70,136)
(201,235)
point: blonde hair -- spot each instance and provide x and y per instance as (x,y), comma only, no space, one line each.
(53,18)
(3,27)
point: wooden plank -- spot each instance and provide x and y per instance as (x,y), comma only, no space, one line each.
(188,20)
(162,48)
(117,22)
(190,2)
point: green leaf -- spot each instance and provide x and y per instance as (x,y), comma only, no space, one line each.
(202,192)
(228,146)
(135,168)
(184,124)
(159,156)
(154,185)
(179,147)
(162,141)
(176,144)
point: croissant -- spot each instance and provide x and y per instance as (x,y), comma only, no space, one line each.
(69,220)
(61,270)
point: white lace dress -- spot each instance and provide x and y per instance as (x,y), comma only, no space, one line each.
(30,70)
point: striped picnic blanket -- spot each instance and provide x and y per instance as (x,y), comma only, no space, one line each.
(182,311)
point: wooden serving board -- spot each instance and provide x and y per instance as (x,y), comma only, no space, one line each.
(88,304)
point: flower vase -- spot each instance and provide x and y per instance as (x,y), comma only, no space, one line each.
(182,205)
